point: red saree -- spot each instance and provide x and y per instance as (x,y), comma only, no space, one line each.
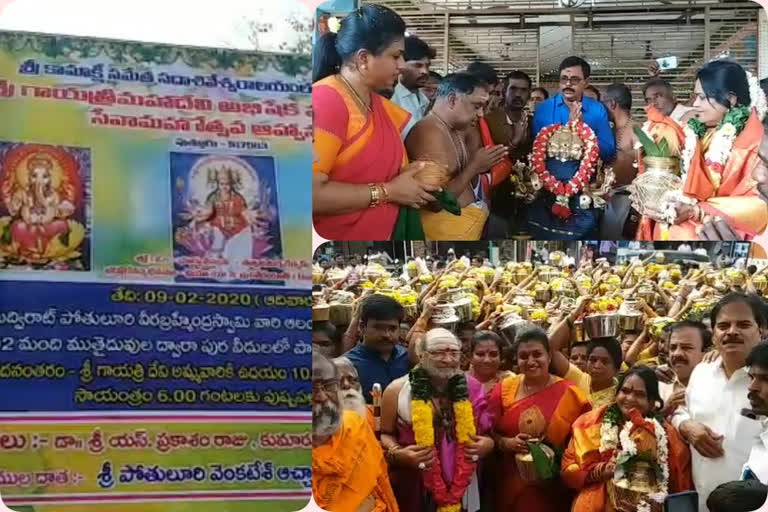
(583,454)
(351,148)
(554,408)
(730,194)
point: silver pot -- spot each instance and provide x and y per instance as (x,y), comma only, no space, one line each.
(509,325)
(629,323)
(445,316)
(601,326)
(463,308)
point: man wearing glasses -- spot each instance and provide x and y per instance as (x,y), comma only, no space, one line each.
(568,105)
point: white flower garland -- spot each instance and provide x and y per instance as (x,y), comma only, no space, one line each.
(609,437)
(629,449)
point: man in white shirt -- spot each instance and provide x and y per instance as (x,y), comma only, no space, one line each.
(415,75)
(688,342)
(684,247)
(659,93)
(711,420)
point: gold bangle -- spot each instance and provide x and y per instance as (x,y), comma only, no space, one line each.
(385,193)
(375,195)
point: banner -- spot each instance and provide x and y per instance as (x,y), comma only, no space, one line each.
(155,334)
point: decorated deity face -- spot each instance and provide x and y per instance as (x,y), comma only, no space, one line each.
(224,181)
(40,175)
(633,395)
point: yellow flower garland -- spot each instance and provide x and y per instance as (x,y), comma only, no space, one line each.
(465,421)
(423,429)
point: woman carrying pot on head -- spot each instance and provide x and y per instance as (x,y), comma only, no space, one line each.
(357,183)
(534,412)
(718,154)
(599,462)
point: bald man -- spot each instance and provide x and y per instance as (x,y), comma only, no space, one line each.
(349,473)
(439,354)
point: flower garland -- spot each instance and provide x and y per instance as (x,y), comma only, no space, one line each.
(586,171)
(611,439)
(448,498)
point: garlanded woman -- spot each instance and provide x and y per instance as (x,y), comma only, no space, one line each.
(718,151)
(357,184)
(604,442)
(534,412)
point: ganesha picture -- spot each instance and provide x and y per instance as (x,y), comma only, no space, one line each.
(225,216)
(44,206)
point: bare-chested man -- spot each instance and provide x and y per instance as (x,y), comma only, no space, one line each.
(617,99)
(440,137)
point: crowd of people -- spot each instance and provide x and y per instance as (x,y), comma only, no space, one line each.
(473,155)
(455,385)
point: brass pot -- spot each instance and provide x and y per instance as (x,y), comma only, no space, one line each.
(760,283)
(340,314)
(525,466)
(662,164)
(321,313)
(578,331)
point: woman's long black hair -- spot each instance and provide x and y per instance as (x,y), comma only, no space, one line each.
(720,78)
(369,27)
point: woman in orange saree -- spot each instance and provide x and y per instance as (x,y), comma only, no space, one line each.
(533,405)
(719,152)
(358,149)
(590,460)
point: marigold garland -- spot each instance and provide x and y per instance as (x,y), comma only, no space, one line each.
(448,498)
(584,174)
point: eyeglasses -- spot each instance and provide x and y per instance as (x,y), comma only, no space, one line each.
(574,80)
(327,387)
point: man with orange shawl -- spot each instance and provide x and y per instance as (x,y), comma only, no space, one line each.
(349,473)
(595,448)
(718,152)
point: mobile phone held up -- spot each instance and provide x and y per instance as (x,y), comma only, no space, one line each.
(667,63)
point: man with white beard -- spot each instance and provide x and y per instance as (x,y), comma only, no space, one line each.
(349,473)
(435,388)
(352,398)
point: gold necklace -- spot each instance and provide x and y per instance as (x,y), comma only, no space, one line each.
(360,101)
(458,144)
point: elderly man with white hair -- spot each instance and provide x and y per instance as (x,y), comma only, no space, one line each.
(352,398)
(434,429)
(349,473)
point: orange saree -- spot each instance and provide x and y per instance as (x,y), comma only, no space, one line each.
(551,412)
(583,454)
(351,467)
(350,147)
(730,193)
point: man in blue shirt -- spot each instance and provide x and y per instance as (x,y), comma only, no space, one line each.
(379,358)
(570,103)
